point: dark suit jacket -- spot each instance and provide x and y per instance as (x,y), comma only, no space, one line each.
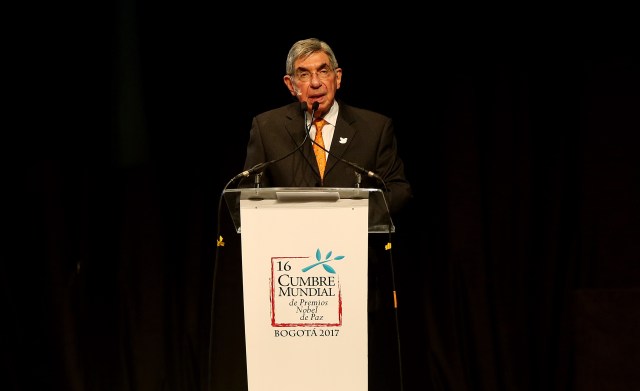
(362,137)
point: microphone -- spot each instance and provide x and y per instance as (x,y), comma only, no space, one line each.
(263,165)
(314,107)
(362,170)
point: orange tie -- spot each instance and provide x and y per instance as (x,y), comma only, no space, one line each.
(319,152)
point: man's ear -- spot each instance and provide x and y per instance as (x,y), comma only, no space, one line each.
(289,83)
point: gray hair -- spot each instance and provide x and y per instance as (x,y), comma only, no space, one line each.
(306,47)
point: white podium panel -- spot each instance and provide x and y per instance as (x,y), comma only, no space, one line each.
(304,265)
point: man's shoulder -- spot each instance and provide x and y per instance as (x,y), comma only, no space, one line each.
(352,113)
(287,110)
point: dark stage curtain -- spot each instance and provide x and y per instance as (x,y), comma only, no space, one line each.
(516,265)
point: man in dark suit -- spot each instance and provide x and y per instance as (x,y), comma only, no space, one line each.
(360,150)
(355,135)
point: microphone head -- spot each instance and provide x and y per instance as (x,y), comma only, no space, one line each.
(315,106)
(303,106)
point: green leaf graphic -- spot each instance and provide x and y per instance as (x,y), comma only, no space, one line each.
(327,258)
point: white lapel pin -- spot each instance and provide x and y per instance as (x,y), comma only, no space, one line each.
(343,140)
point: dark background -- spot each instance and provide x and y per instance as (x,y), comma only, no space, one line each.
(517,267)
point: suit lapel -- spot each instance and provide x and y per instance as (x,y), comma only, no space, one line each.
(342,137)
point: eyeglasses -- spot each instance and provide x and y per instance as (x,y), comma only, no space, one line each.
(305,76)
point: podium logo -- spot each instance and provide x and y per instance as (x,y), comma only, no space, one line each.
(304,294)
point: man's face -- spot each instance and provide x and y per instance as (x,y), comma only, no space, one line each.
(315,81)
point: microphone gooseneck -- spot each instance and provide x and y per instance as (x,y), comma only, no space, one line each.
(362,170)
(314,107)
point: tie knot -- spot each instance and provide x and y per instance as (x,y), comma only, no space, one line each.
(319,123)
